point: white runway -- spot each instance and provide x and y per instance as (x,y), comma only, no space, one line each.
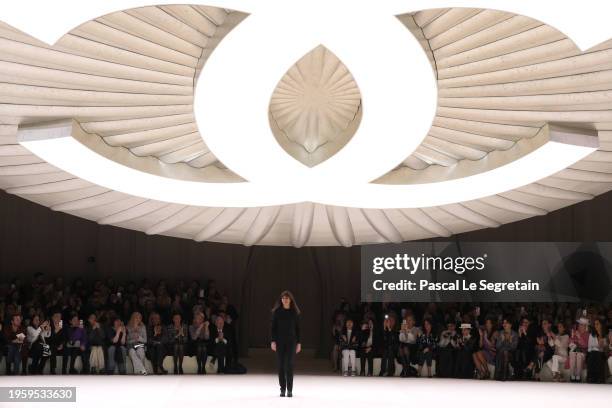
(261,390)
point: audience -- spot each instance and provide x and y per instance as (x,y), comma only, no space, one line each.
(103,324)
(504,341)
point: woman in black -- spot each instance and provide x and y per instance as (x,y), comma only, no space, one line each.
(285,339)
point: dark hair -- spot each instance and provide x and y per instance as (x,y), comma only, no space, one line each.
(431,326)
(593,330)
(293,305)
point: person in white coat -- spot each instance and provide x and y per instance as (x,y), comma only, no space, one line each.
(560,342)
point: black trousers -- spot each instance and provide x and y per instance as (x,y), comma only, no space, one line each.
(596,367)
(369,357)
(285,353)
(201,355)
(38,361)
(445,365)
(157,354)
(387,363)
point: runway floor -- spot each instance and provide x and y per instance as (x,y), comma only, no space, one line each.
(314,386)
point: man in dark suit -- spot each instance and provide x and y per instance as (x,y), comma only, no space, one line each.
(222,339)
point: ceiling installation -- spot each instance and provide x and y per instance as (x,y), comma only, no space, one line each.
(513,94)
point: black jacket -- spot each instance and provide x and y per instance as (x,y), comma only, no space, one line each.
(352,343)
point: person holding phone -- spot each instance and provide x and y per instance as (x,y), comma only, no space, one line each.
(408,347)
(390,346)
(116,350)
(37,333)
(285,339)
(76,345)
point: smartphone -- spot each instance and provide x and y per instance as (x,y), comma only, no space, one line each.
(61,324)
(81,323)
(386,316)
(119,294)
(201,293)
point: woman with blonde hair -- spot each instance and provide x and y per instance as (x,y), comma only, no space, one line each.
(136,340)
(285,339)
(199,333)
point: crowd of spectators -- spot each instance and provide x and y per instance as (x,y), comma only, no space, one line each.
(107,323)
(504,341)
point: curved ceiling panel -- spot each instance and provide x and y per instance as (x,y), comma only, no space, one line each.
(505,81)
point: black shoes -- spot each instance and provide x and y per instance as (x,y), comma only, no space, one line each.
(282,393)
(289,394)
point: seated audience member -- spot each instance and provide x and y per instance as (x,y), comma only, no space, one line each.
(116,352)
(447,351)
(390,344)
(76,346)
(15,339)
(37,335)
(348,346)
(232,355)
(467,344)
(610,352)
(156,347)
(542,350)
(579,345)
(96,338)
(426,347)
(408,335)
(56,340)
(596,357)
(200,335)
(523,356)
(226,307)
(2,339)
(560,342)
(221,342)
(177,334)
(366,347)
(337,328)
(136,343)
(505,346)
(485,354)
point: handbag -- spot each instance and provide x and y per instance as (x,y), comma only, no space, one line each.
(46,349)
(211,365)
